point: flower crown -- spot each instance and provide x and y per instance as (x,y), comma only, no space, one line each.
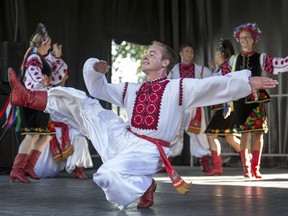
(40,36)
(220,46)
(251,27)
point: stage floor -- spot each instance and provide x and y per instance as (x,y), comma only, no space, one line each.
(229,194)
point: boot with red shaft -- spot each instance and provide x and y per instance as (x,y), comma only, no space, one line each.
(30,164)
(17,171)
(20,96)
(147,199)
(79,173)
(255,164)
(204,163)
(246,164)
(216,164)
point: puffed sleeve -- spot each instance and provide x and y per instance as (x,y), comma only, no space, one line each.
(174,73)
(98,87)
(273,65)
(33,74)
(59,69)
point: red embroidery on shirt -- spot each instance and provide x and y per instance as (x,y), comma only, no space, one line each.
(268,64)
(125,90)
(147,105)
(181,92)
(54,67)
(33,62)
(187,71)
(225,68)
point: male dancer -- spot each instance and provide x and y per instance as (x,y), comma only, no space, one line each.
(133,152)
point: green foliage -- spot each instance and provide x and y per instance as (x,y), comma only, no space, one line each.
(132,51)
(128,50)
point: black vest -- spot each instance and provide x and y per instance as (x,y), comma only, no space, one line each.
(251,63)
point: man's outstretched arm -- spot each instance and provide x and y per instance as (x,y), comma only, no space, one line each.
(216,90)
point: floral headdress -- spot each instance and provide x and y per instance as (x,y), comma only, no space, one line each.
(251,27)
(39,37)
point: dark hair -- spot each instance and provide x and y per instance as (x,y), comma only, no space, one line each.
(167,53)
(185,45)
(226,47)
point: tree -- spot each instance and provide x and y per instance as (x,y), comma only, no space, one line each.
(128,50)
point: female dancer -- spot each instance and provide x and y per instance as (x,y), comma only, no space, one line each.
(223,120)
(35,74)
(251,115)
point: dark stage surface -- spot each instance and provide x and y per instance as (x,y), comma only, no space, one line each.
(229,194)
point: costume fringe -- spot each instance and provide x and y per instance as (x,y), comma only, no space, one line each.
(184,188)
(61,151)
(67,152)
(195,123)
(194,129)
(181,186)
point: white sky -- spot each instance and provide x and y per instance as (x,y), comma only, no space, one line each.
(126,72)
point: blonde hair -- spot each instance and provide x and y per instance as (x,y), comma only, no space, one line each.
(39,40)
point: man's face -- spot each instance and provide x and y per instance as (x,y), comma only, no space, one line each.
(187,54)
(152,59)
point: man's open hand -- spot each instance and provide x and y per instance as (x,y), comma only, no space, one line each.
(257,83)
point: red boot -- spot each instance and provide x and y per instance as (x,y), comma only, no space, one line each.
(255,164)
(17,171)
(147,199)
(79,173)
(204,163)
(20,96)
(31,162)
(246,164)
(216,164)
